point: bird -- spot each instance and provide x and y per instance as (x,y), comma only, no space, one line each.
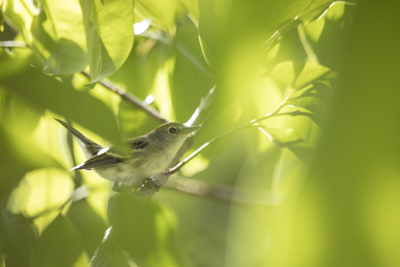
(144,156)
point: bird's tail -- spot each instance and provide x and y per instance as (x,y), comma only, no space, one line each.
(89,147)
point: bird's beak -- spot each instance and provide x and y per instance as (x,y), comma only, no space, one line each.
(191,129)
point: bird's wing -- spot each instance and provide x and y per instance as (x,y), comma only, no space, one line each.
(137,144)
(89,147)
(106,157)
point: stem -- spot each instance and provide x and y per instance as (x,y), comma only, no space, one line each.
(131,99)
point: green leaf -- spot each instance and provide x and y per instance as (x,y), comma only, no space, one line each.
(287,137)
(318,8)
(191,71)
(18,237)
(109,32)
(59,245)
(18,160)
(192,6)
(21,14)
(299,12)
(313,97)
(89,224)
(45,92)
(1,19)
(143,229)
(298,74)
(160,12)
(59,38)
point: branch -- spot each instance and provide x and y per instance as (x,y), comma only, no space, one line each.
(131,99)
(220,192)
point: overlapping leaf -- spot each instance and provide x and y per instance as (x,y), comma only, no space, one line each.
(109,31)
(160,12)
(143,229)
(59,245)
(59,37)
(287,137)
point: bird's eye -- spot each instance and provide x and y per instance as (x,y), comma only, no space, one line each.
(172,130)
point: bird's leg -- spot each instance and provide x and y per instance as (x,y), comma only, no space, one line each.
(150,182)
(116,187)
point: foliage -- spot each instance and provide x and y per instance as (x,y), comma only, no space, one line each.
(314,183)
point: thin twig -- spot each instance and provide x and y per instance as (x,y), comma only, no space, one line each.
(131,99)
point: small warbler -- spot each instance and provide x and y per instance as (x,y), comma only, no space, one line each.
(146,155)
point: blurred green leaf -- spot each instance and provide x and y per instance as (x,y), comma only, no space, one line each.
(18,160)
(192,6)
(204,110)
(160,12)
(319,8)
(348,208)
(109,32)
(46,92)
(143,229)
(59,37)
(17,238)
(299,74)
(59,245)
(313,97)
(187,74)
(1,24)
(300,12)
(287,137)
(21,14)
(88,223)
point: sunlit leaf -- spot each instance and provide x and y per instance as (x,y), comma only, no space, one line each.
(17,160)
(300,12)
(59,38)
(314,97)
(109,32)
(1,23)
(299,74)
(41,194)
(160,12)
(143,229)
(21,14)
(59,245)
(192,6)
(287,137)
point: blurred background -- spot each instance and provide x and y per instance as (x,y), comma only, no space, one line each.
(317,185)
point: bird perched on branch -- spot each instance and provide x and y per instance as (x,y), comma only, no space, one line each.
(145,156)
